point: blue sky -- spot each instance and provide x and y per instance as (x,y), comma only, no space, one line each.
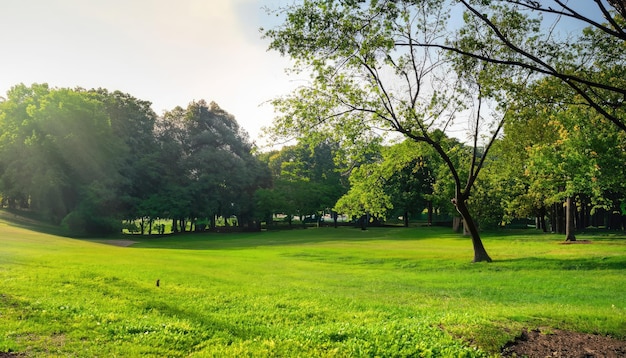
(166,52)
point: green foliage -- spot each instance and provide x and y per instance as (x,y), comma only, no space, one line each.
(306,180)
(366,195)
(402,179)
(584,55)
(552,150)
(212,171)
(487,200)
(88,159)
(57,147)
(80,223)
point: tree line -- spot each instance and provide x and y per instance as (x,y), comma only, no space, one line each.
(93,159)
(97,162)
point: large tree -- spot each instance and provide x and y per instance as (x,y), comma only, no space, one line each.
(133,122)
(61,157)
(209,167)
(371,75)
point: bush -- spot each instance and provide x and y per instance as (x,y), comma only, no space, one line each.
(81,223)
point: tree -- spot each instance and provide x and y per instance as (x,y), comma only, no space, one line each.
(557,152)
(487,201)
(15,149)
(172,139)
(133,123)
(400,182)
(61,156)
(370,75)
(306,180)
(526,127)
(411,176)
(211,170)
(367,196)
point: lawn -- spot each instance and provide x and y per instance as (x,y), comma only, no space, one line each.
(314,292)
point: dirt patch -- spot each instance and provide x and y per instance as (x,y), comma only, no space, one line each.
(564,344)
(576,242)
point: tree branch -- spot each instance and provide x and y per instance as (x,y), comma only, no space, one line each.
(568,79)
(617,31)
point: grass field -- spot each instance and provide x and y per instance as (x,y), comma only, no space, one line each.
(316,292)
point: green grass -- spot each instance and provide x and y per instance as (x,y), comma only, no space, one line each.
(315,292)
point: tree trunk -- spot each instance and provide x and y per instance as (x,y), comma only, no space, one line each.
(558,207)
(430,213)
(569,220)
(582,216)
(542,219)
(457,224)
(174,226)
(406,219)
(480,254)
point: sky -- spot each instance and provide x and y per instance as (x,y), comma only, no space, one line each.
(167,52)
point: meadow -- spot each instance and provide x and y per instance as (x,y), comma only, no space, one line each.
(319,292)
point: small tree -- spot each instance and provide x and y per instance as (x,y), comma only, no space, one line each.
(400,182)
(306,180)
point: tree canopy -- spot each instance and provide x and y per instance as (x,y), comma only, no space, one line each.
(91,158)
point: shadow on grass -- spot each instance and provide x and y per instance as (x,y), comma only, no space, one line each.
(30,221)
(557,264)
(233,241)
